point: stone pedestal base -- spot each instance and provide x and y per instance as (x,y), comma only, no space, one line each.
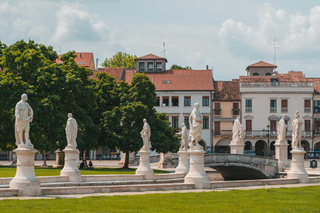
(197,174)
(144,166)
(281,152)
(236,149)
(183,165)
(25,179)
(297,166)
(14,160)
(70,168)
(59,159)
(165,161)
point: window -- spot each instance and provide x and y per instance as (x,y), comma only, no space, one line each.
(268,74)
(307,125)
(150,66)
(158,66)
(175,123)
(248,105)
(316,107)
(217,128)
(141,66)
(187,101)
(235,109)
(217,109)
(284,105)
(273,105)
(255,74)
(205,122)
(157,101)
(273,125)
(205,101)
(175,101)
(165,101)
(248,125)
(186,121)
(307,106)
(274,82)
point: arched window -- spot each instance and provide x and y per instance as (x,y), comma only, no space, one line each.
(255,74)
(268,74)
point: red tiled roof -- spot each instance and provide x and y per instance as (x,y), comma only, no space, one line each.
(291,76)
(178,80)
(261,64)
(227,90)
(151,56)
(83,59)
(316,84)
(115,72)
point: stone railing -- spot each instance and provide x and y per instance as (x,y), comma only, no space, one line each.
(276,84)
(241,159)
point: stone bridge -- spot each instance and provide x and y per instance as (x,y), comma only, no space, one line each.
(242,167)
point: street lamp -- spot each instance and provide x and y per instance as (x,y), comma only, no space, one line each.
(268,135)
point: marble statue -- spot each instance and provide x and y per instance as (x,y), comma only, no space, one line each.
(146,134)
(184,137)
(241,135)
(24,115)
(195,122)
(282,128)
(71,131)
(296,132)
(236,130)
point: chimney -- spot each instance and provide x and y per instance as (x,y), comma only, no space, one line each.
(207,67)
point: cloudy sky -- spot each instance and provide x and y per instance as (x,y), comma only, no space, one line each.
(227,35)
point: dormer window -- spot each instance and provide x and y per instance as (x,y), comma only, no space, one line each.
(150,66)
(255,74)
(268,74)
(158,66)
(141,66)
(274,82)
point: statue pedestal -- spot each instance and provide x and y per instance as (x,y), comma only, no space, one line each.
(165,161)
(297,166)
(183,165)
(70,168)
(59,159)
(144,165)
(14,160)
(282,154)
(236,148)
(197,174)
(25,179)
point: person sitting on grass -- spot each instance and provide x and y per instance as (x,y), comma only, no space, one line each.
(90,165)
(82,165)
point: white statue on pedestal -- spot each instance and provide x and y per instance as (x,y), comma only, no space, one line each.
(195,122)
(146,134)
(71,131)
(237,131)
(184,137)
(296,132)
(24,115)
(282,129)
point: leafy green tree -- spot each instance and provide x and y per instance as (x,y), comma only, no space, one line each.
(121,59)
(124,122)
(53,91)
(177,67)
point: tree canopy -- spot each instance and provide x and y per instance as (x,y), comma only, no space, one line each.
(120,59)
(177,67)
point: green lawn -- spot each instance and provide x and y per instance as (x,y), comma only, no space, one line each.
(304,199)
(6,171)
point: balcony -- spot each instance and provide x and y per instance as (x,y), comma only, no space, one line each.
(273,133)
(248,109)
(217,112)
(307,110)
(235,112)
(273,109)
(276,84)
(284,109)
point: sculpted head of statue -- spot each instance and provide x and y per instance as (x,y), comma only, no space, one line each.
(24,97)
(69,115)
(196,105)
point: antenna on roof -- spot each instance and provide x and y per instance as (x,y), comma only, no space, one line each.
(274,51)
(164,49)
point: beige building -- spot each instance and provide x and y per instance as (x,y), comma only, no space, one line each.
(226,107)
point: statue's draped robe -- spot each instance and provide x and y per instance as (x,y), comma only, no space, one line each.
(184,137)
(22,112)
(195,126)
(296,133)
(281,130)
(72,132)
(146,134)
(236,130)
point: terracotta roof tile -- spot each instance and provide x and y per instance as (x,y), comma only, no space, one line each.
(227,90)
(292,76)
(115,72)
(151,56)
(316,84)
(178,80)
(83,59)
(261,64)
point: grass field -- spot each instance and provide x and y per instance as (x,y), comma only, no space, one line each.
(301,199)
(6,171)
